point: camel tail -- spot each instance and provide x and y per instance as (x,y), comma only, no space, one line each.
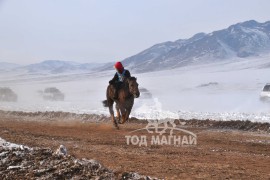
(105,103)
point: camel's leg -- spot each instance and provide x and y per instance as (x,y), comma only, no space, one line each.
(126,114)
(123,113)
(128,110)
(112,114)
(118,115)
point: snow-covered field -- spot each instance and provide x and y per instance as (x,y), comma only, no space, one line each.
(223,91)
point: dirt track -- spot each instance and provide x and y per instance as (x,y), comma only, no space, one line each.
(219,154)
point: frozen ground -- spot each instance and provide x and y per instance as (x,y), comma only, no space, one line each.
(222,91)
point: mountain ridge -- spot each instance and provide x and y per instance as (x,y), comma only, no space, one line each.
(51,67)
(241,40)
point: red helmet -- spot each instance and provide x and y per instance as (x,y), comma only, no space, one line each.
(118,66)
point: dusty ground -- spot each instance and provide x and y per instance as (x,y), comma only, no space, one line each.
(219,154)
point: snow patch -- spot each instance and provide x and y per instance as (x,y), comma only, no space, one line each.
(7,145)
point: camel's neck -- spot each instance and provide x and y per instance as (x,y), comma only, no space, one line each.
(125,89)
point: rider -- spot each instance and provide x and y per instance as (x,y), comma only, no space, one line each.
(118,78)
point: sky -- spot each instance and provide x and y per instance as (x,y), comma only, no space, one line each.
(95,31)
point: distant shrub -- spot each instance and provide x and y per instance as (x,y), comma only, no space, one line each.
(145,93)
(6,94)
(53,94)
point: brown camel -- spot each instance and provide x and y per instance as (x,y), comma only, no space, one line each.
(126,94)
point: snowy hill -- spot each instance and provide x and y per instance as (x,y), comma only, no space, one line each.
(51,67)
(56,67)
(241,40)
(5,66)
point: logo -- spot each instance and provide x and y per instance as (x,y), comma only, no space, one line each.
(162,132)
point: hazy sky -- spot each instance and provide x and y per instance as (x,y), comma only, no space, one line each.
(110,30)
